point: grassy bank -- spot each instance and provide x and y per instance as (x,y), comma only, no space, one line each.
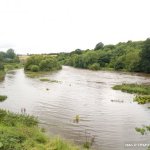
(142,90)
(12,66)
(21,132)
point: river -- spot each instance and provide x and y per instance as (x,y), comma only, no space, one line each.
(85,93)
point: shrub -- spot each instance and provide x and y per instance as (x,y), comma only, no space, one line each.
(94,66)
(34,68)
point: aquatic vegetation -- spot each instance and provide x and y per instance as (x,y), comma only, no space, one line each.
(2,98)
(48,80)
(18,132)
(142,90)
(134,88)
(56,81)
(44,79)
(76,119)
(143,130)
(140,130)
(142,99)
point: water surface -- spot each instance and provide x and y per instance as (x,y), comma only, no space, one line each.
(84,93)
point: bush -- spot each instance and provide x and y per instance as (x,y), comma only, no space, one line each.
(34,68)
(94,66)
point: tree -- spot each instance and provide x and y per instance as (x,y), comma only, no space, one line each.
(10,54)
(98,46)
(145,57)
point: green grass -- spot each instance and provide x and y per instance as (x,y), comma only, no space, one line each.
(142,99)
(21,132)
(12,66)
(134,88)
(2,98)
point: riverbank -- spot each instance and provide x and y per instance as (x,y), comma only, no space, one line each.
(12,66)
(8,67)
(19,131)
(2,75)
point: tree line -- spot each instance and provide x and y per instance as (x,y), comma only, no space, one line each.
(131,56)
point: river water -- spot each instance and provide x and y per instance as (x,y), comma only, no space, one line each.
(111,124)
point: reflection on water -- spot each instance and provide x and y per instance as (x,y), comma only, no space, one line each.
(107,115)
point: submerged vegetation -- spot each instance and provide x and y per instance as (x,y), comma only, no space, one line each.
(129,56)
(2,98)
(18,132)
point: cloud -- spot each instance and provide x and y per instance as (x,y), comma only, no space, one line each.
(40,26)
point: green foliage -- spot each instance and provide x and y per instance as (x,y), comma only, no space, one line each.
(145,57)
(143,130)
(44,79)
(142,99)
(98,46)
(9,56)
(12,66)
(134,88)
(8,61)
(2,98)
(34,68)
(143,90)
(37,63)
(48,80)
(129,56)
(2,75)
(20,132)
(1,66)
(95,66)
(140,130)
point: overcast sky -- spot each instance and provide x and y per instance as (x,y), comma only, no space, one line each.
(39,26)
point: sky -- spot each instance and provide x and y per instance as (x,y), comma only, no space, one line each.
(49,26)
